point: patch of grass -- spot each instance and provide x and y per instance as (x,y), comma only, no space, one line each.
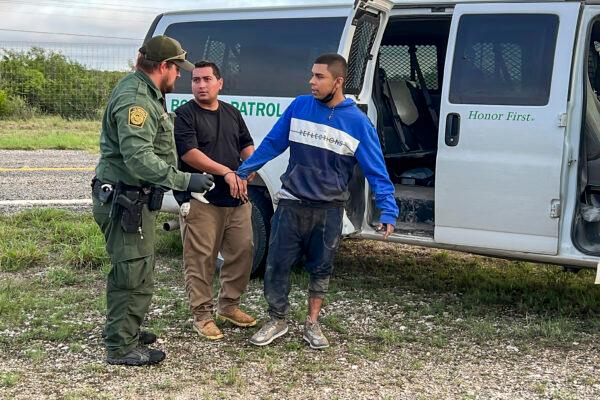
(300,278)
(36,312)
(389,337)
(293,345)
(50,237)
(231,377)
(335,322)
(481,283)
(166,384)
(416,365)
(95,368)
(540,387)
(168,243)
(9,379)
(49,132)
(299,314)
(18,253)
(75,347)
(61,276)
(364,351)
(36,354)
(272,367)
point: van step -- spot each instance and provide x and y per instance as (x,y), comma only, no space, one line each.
(414,229)
(416,204)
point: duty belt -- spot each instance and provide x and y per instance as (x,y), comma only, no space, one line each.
(101,189)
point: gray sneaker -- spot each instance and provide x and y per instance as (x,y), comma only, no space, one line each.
(314,336)
(269,332)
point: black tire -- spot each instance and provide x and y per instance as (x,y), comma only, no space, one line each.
(262,211)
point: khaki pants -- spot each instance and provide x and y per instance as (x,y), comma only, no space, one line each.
(206,230)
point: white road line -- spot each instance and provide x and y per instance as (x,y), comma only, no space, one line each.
(64,202)
(47,169)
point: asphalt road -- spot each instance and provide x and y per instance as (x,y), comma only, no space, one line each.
(45,178)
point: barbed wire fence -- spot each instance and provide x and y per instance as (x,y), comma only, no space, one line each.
(72,80)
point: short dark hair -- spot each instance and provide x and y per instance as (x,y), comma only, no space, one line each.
(204,64)
(336,64)
(143,64)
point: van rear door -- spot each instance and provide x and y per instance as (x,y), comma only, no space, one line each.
(502,126)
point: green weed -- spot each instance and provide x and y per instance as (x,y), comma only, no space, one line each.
(9,379)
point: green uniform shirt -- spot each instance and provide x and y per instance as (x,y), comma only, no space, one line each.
(137,146)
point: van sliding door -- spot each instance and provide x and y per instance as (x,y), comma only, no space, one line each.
(502,126)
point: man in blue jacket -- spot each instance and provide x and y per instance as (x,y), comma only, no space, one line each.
(327,135)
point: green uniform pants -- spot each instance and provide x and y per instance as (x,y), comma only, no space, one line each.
(130,282)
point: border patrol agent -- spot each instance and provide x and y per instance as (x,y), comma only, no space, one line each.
(137,164)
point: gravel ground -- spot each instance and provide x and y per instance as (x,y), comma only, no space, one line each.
(357,366)
(195,368)
(45,185)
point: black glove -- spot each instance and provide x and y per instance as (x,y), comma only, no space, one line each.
(200,183)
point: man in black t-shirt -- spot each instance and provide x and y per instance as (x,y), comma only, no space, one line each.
(212,137)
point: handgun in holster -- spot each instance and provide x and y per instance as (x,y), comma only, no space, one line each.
(131,203)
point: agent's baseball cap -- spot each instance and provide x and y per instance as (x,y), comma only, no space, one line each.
(163,48)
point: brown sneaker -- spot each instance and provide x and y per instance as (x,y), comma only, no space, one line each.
(238,317)
(208,329)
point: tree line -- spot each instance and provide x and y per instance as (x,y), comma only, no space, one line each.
(42,82)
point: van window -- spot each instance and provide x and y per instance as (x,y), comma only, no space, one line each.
(504,59)
(367,25)
(266,57)
(395,60)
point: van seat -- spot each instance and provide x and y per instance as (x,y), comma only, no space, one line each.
(406,124)
(403,101)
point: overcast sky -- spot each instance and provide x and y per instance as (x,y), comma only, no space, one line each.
(111,18)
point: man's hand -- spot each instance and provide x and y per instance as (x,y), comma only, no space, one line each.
(387,230)
(238,188)
(251,177)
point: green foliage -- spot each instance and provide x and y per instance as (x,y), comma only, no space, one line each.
(3,103)
(15,107)
(50,82)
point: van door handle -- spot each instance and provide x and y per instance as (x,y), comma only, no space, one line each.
(452,129)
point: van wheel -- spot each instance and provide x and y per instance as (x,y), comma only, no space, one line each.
(262,211)
(571,268)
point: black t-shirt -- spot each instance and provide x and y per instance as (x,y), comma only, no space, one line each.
(221,135)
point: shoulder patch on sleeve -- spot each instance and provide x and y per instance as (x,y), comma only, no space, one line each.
(137,116)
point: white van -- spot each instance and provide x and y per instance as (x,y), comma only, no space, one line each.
(487,113)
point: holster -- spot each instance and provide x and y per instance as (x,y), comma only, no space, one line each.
(130,203)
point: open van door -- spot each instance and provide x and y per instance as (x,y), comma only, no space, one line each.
(360,45)
(502,126)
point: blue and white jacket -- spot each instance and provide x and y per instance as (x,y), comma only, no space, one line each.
(325,144)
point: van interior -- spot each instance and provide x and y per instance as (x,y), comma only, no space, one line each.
(586,228)
(406,93)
